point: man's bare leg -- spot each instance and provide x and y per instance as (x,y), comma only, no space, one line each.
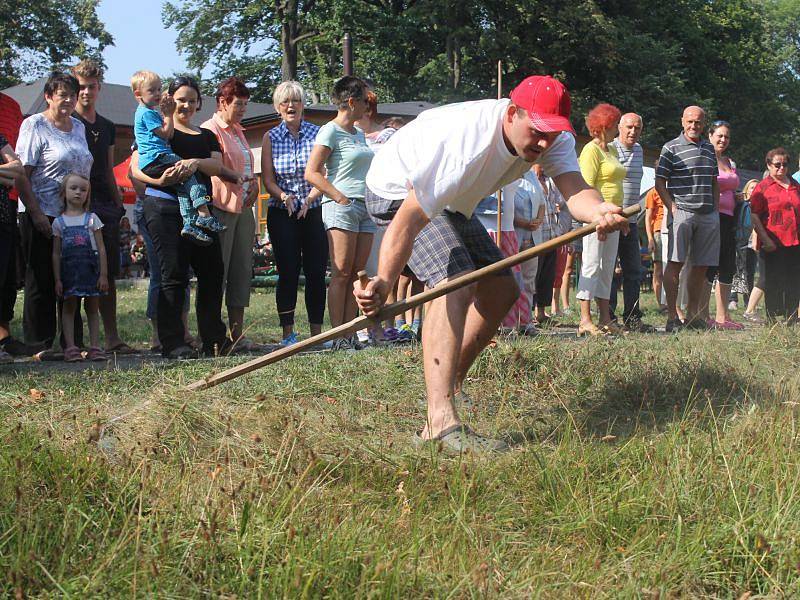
(697,288)
(494,297)
(671,281)
(441,345)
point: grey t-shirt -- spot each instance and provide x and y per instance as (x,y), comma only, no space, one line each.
(633,161)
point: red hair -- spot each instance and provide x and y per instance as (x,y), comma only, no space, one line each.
(232,88)
(372,102)
(602,117)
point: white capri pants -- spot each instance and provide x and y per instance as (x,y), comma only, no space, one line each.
(597,266)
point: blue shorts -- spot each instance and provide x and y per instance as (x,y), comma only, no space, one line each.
(349,217)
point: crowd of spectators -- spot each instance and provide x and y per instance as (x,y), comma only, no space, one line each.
(196,187)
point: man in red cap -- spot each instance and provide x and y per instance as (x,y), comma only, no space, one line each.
(424,185)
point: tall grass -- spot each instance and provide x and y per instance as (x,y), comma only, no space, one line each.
(654,467)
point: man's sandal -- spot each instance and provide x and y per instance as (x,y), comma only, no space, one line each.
(461,438)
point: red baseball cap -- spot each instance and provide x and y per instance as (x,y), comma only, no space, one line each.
(546,101)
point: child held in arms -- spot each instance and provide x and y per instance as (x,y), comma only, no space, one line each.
(153,132)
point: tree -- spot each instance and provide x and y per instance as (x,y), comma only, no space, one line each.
(36,35)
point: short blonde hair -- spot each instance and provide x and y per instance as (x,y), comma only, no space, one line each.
(141,78)
(288,90)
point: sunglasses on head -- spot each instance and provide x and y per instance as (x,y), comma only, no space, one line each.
(720,124)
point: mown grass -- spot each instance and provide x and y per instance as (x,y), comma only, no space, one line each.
(655,466)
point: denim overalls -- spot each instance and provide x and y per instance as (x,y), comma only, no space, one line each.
(80,265)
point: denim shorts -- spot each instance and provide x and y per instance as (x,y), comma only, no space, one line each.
(349,217)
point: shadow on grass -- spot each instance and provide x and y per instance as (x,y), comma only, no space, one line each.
(622,405)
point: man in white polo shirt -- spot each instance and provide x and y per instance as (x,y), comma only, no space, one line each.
(425,184)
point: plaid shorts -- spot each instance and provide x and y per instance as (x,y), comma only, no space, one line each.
(451,244)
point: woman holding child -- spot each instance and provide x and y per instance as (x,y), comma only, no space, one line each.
(201,156)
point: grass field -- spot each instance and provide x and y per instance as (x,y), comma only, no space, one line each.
(648,467)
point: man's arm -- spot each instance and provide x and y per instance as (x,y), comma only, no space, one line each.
(715,193)
(663,193)
(586,204)
(112,182)
(394,254)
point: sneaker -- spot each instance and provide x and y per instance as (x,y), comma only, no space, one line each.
(5,358)
(181,353)
(362,337)
(390,334)
(697,324)
(529,330)
(636,325)
(733,305)
(752,317)
(14,347)
(196,235)
(342,344)
(729,326)
(289,340)
(406,334)
(210,223)
(674,326)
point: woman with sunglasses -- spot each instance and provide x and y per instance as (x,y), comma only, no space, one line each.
(719,135)
(775,205)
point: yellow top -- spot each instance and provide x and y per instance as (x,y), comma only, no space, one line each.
(603,171)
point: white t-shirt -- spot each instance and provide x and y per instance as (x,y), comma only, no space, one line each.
(76,221)
(454,156)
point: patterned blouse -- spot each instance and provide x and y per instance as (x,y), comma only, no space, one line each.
(289,158)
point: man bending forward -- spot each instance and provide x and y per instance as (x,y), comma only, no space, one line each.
(424,185)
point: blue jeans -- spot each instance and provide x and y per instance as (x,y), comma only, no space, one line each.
(630,260)
(153,262)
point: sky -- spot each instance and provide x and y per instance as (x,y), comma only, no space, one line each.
(131,22)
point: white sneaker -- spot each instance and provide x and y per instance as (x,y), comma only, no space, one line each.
(733,305)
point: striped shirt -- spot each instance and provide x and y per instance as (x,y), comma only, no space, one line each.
(690,169)
(633,161)
(289,158)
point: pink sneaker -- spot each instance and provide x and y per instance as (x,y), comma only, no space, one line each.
(727,325)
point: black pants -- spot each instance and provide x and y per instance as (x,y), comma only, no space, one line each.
(177,254)
(545,276)
(782,291)
(39,322)
(630,260)
(8,270)
(299,243)
(727,252)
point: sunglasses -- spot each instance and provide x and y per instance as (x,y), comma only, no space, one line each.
(720,124)
(778,165)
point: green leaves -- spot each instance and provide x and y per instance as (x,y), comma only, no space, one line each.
(36,35)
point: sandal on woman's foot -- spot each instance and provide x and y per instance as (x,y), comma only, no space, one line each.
(461,438)
(122,348)
(73,354)
(591,329)
(96,355)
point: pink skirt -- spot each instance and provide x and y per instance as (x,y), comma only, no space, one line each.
(520,313)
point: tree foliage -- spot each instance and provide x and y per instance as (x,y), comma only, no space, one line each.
(36,35)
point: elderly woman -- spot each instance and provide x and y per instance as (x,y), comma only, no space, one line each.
(51,144)
(775,205)
(234,203)
(294,217)
(338,168)
(602,170)
(201,153)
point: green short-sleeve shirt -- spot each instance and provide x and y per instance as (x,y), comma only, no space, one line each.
(349,160)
